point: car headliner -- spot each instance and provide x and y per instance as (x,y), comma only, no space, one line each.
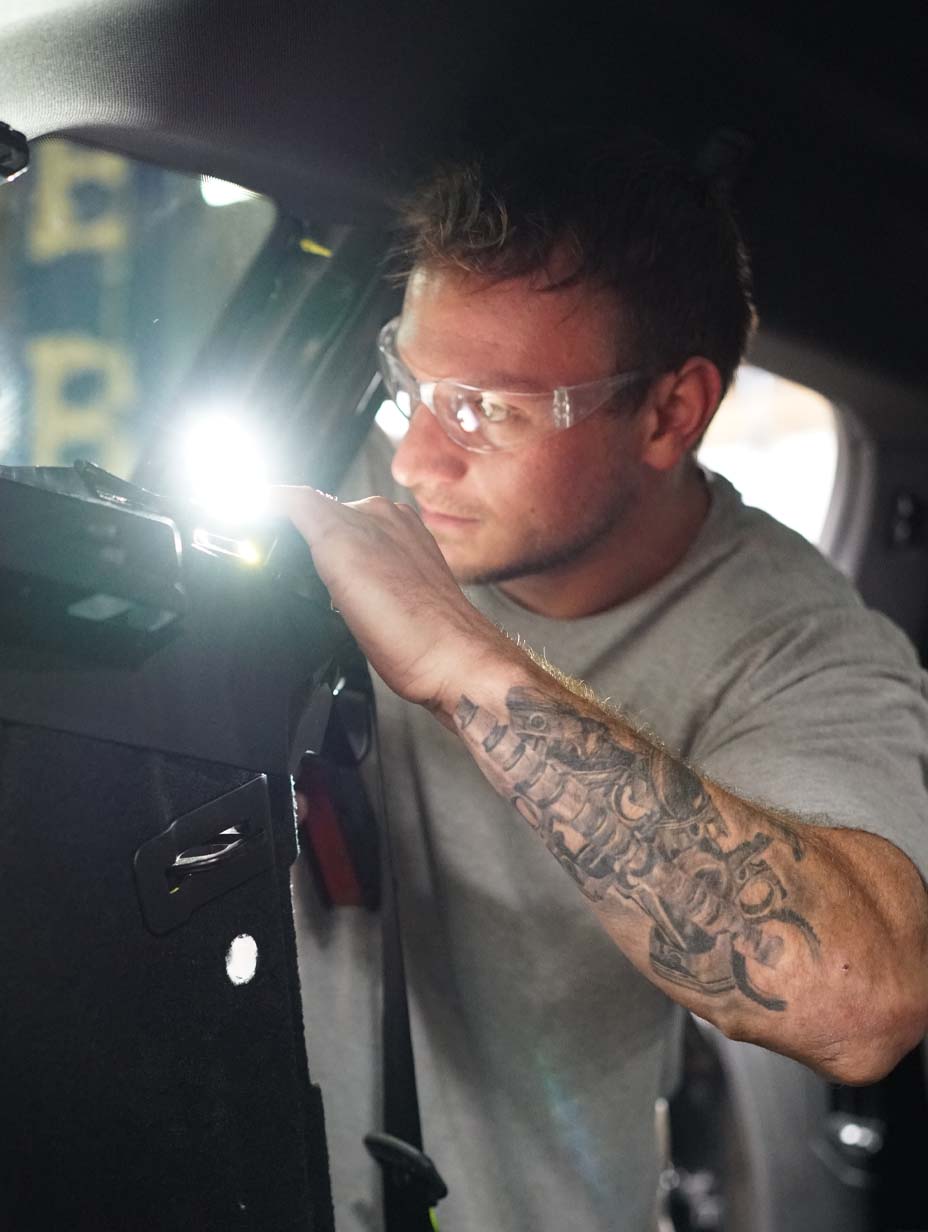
(331,106)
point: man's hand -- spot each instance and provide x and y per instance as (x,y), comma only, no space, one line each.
(388,578)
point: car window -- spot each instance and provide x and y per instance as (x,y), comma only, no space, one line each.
(777,441)
(113,273)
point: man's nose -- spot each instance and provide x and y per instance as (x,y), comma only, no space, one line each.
(426,454)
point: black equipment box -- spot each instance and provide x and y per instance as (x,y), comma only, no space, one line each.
(153,1065)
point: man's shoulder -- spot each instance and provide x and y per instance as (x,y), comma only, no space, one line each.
(779,630)
(768,591)
(766,559)
(752,609)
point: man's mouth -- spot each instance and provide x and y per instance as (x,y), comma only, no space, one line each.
(441,520)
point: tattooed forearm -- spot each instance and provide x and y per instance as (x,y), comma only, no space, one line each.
(628,821)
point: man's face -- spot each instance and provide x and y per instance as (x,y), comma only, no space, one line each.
(504,515)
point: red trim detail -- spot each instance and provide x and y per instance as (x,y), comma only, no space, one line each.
(324,835)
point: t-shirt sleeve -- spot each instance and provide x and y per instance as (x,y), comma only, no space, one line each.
(826,715)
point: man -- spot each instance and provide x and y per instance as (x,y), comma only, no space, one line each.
(743,826)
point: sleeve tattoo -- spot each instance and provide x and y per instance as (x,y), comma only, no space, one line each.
(635,823)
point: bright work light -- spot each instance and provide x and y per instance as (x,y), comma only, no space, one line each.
(226,469)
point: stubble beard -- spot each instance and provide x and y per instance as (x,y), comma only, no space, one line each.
(549,557)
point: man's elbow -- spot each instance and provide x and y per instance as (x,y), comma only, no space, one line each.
(861,1066)
(868,1057)
(860,1054)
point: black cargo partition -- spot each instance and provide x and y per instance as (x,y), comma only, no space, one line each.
(152,1064)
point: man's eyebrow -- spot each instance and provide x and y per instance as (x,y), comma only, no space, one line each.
(510,382)
(505,382)
(495,378)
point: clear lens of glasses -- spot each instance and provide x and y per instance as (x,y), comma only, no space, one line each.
(484,420)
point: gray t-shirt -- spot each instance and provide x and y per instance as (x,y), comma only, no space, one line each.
(539,1049)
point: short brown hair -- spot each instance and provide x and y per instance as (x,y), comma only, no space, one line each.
(628,213)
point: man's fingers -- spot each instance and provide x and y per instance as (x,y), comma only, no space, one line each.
(384,570)
(314,512)
(311,512)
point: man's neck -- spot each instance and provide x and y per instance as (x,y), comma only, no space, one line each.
(631,557)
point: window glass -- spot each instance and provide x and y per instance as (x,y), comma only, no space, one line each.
(391,420)
(112,275)
(777,441)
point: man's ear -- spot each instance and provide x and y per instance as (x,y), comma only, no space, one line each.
(679,408)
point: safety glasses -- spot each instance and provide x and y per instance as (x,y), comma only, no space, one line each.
(486,420)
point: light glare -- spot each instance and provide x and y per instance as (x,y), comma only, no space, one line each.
(852,1134)
(467,418)
(242,959)
(222,192)
(226,469)
(244,550)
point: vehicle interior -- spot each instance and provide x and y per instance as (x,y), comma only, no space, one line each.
(201,237)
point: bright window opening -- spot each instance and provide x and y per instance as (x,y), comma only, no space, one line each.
(391,421)
(777,442)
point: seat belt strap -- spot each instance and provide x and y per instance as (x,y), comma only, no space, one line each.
(411,1182)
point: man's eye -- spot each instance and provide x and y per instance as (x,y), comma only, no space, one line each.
(495,411)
